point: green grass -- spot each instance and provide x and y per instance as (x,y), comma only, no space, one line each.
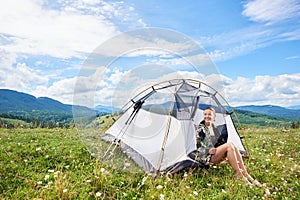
(54,164)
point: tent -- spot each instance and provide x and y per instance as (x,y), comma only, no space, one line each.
(156,128)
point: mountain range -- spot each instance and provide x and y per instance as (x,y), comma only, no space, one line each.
(17,101)
(12,101)
(271,110)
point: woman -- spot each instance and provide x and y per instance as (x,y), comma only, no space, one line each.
(208,149)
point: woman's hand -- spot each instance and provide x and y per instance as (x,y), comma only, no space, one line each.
(212,151)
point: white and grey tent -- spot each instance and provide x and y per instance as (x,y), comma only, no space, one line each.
(157,127)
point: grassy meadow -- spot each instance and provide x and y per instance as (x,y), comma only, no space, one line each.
(54,164)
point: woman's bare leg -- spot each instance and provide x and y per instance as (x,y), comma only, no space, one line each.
(234,157)
(228,150)
(240,160)
(245,172)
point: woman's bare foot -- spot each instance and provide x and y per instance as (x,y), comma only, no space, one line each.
(242,178)
(253,181)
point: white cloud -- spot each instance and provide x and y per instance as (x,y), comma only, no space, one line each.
(229,45)
(59,30)
(130,84)
(62,90)
(282,90)
(147,42)
(34,29)
(111,89)
(281,18)
(18,76)
(292,57)
(79,90)
(236,43)
(271,11)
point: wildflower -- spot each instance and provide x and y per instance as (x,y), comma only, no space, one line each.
(290,189)
(25,160)
(88,181)
(185,174)
(208,184)
(67,166)
(98,194)
(263,166)
(102,170)
(50,170)
(159,187)
(224,191)
(38,149)
(65,190)
(56,174)
(90,193)
(161,197)
(144,180)
(47,176)
(126,164)
(195,193)
(267,192)
(40,182)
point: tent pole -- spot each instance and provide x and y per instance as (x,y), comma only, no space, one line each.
(157,168)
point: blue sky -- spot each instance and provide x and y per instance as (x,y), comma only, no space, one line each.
(254,44)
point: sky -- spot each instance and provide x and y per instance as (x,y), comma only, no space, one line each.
(81,51)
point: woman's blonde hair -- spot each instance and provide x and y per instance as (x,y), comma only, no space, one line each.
(210,108)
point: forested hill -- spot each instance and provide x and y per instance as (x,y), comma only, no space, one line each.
(35,112)
(17,101)
(271,110)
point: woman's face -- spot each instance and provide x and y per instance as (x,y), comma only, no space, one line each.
(209,116)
